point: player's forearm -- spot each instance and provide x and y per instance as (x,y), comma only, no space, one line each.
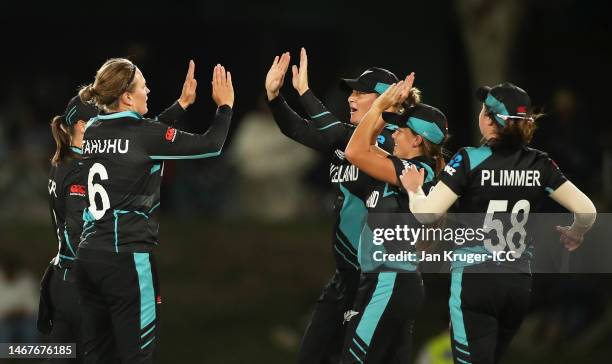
(216,135)
(364,136)
(295,127)
(318,112)
(570,197)
(430,208)
(171,114)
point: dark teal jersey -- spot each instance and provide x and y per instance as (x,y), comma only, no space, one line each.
(503,185)
(388,210)
(123,156)
(323,132)
(67,196)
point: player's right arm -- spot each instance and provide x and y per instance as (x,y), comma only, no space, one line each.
(327,124)
(321,138)
(163,142)
(188,95)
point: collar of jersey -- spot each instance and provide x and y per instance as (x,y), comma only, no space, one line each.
(117,115)
(76,150)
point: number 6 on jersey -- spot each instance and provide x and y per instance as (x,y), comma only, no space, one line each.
(97,189)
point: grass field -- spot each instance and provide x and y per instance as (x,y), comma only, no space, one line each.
(242,293)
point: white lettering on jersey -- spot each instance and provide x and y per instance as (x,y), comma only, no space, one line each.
(339,154)
(52,186)
(343,173)
(512,177)
(372,200)
(450,170)
(106,146)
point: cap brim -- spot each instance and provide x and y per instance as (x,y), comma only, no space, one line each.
(353,84)
(482,92)
(394,119)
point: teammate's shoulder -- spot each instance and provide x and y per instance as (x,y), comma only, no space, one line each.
(474,156)
(538,153)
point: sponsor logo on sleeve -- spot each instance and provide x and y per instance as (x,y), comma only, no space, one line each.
(170,134)
(78,190)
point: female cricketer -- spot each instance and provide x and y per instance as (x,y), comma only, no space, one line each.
(322,341)
(503,175)
(122,163)
(390,293)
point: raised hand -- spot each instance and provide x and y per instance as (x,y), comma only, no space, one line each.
(300,76)
(188,95)
(276,75)
(390,97)
(408,82)
(222,88)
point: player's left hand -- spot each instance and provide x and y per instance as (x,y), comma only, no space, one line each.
(570,239)
(188,95)
(412,178)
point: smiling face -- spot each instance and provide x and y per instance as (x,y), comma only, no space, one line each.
(359,104)
(407,143)
(136,97)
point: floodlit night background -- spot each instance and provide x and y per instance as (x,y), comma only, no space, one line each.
(245,245)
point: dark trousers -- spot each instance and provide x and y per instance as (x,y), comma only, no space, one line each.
(120,296)
(385,310)
(322,341)
(486,311)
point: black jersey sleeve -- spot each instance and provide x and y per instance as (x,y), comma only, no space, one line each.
(306,132)
(75,197)
(400,164)
(331,128)
(455,174)
(163,142)
(553,177)
(172,114)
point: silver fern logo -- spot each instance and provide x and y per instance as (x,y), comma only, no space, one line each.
(348,315)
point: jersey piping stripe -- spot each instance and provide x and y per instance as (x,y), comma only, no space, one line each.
(350,249)
(455,307)
(329,126)
(68,242)
(345,258)
(355,355)
(195,156)
(321,114)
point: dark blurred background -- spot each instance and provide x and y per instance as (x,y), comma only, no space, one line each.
(245,238)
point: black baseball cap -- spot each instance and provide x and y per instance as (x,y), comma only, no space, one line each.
(372,80)
(78,110)
(425,120)
(505,101)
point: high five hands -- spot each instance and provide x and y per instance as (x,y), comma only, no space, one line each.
(395,94)
(222,88)
(300,75)
(188,95)
(276,75)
